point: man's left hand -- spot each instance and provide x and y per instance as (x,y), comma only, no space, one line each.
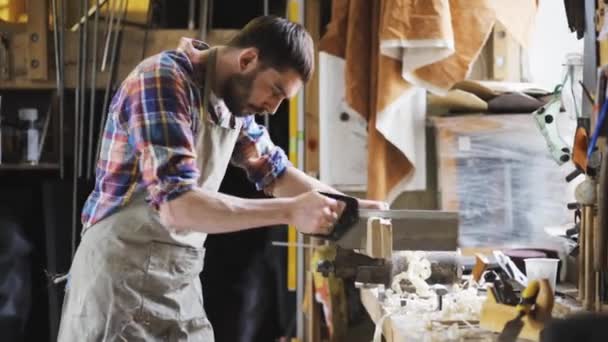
(369,204)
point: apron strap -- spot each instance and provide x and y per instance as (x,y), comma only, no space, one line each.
(209,79)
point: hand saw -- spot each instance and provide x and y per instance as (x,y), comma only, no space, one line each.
(352,214)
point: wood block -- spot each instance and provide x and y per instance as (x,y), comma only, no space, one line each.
(379,242)
(481,263)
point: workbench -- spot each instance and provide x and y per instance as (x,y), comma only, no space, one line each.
(400,327)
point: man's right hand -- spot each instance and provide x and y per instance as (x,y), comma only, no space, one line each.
(313,213)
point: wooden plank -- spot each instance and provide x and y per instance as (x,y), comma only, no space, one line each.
(376,311)
(506,55)
(311,92)
(158,40)
(37,34)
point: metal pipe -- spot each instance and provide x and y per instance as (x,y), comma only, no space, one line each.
(61,88)
(191,9)
(83,81)
(91,159)
(109,24)
(58,45)
(110,81)
(45,128)
(266,117)
(76,146)
(203,17)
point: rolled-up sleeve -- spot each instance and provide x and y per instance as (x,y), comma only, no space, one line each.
(160,126)
(255,152)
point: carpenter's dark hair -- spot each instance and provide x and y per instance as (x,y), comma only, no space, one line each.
(282,44)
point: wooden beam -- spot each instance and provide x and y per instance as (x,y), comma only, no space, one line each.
(37,40)
(130,55)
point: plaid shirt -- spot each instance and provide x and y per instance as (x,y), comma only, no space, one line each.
(149,138)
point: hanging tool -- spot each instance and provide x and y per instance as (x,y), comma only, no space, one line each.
(91,158)
(545,120)
(525,307)
(601,102)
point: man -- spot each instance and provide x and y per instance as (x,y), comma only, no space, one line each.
(176,122)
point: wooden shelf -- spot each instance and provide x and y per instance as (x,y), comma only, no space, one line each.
(26,167)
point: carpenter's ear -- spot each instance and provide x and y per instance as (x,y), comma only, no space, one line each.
(248,58)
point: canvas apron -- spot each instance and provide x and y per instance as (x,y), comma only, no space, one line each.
(134,280)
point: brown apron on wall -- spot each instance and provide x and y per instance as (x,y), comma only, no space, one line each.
(132,279)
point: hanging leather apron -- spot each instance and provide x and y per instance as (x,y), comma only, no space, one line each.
(132,279)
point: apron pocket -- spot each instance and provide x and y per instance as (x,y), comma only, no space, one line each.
(171,287)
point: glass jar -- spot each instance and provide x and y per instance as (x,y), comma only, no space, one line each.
(572,89)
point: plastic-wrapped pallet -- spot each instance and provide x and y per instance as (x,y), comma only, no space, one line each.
(495,170)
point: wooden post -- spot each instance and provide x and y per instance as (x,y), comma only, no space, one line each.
(37,33)
(311,93)
(587,222)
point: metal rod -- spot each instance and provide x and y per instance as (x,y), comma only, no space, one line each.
(76,147)
(203,17)
(58,43)
(210,15)
(91,158)
(108,89)
(93,10)
(290,244)
(45,128)
(109,24)
(191,9)
(83,80)
(266,117)
(61,88)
